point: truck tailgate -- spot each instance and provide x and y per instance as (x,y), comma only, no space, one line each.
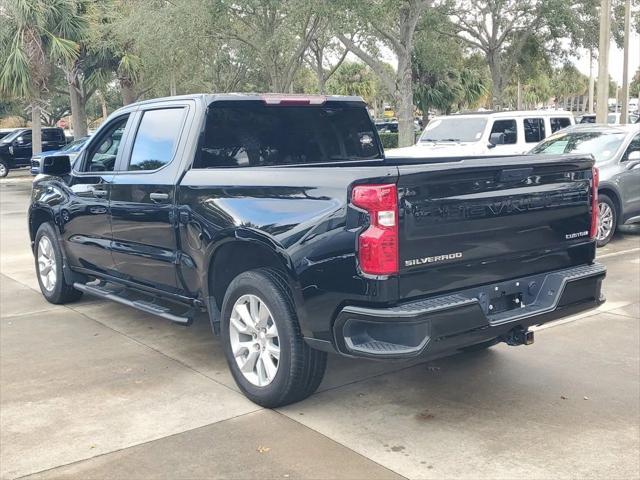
(479,221)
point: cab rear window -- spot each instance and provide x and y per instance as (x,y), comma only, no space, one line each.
(254,134)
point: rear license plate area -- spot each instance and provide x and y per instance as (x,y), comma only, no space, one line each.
(505,302)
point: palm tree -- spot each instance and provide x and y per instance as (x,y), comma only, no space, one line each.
(37,36)
(472,87)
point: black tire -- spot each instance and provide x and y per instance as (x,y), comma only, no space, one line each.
(482,346)
(62,292)
(604,199)
(4,169)
(300,367)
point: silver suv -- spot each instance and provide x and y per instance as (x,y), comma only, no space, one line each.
(616,149)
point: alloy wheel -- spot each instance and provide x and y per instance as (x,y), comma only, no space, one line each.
(254,340)
(605,221)
(3,170)
(47,263)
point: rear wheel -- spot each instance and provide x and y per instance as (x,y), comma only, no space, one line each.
(269,360)
(48,259)
(607,220)
(4,169)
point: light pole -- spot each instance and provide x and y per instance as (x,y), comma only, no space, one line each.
(603,62)
(624,117)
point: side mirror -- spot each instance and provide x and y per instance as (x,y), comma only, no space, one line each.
(634,156)
(496,139)
(57,165)
(633,160)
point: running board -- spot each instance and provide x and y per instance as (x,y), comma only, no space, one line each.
(127,296)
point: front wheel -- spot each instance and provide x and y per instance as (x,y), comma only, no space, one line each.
(607,220)
(4,169)
(267,356)
(51,279)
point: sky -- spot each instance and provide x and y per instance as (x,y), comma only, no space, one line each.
(615,59)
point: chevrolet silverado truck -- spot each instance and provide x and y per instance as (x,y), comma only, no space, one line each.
(279,218)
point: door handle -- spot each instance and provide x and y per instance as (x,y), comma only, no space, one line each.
(158,197)
(99,193)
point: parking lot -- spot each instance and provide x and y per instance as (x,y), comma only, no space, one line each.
(98,390)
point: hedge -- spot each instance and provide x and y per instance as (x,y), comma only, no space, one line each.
(390,140)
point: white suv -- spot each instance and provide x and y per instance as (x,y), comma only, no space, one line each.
(485,133)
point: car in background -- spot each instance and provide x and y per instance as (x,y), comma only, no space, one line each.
(16,148)
(485,134)
(613,118)
(72,150)
(387,126)
(616,149)
(391,126)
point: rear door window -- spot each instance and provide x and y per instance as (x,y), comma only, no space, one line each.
(534,130)
(156,139)
(558,123)
(508,129)
(254,134)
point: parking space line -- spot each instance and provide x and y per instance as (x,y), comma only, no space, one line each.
(615,254)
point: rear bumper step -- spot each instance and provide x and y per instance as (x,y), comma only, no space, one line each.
(467,317)
(182,314)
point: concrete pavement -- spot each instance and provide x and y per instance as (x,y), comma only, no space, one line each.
(97,390)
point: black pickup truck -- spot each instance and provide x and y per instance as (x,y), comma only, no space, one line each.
(280,218)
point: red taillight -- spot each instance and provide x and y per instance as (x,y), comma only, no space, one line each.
(378,244)
(595,179)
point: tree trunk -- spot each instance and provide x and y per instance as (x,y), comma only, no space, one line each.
(128,94)
(172,85)
(425,115)
(103,105)
(496,80)
(318,55)
(406,136)
(78,112)
(519,101)
(36,127)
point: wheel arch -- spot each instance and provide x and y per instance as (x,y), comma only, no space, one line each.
(611,192)
(235,256)
(38,216)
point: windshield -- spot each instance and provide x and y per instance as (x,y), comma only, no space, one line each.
(12,136)
(603,145)
(452,129)
(76,145)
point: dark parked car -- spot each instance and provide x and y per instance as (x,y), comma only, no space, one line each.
(15,148)
(616,149)
(280,217)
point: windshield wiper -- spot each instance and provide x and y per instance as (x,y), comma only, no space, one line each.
(440,140)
